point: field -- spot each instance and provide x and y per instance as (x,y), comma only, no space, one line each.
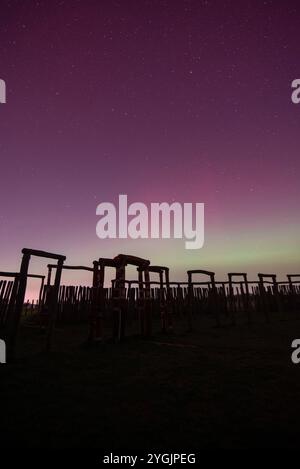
(227,387)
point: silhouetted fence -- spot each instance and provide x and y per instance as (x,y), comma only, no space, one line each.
(6,297)
(227,301)
(140,300)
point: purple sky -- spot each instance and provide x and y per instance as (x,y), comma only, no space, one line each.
(160,100)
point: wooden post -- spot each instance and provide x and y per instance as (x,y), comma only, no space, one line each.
(263,293)
(49,275)
(162,303)
(190,302)
(147,306)
(212,294)
(118,310)
(96,325)
(293,289)
(215,302)
(41,295)
(169,311)
(13,320)
(140,301)
(244,294)
(53,304)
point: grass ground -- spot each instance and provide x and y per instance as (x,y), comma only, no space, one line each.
(228,387)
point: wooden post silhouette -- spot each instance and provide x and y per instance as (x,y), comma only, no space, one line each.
(212,295)
(122,261)
(245,294)
(264,297)
(16,312)
(164,296)
(292,279)
(53,304)
(95,330)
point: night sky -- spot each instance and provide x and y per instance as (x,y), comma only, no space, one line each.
(161,100)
